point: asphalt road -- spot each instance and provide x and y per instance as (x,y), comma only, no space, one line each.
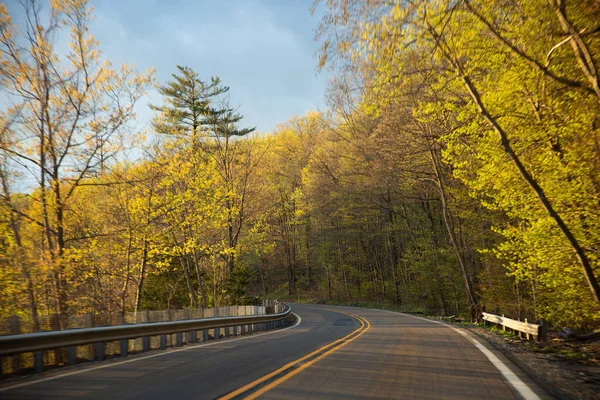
(328,355)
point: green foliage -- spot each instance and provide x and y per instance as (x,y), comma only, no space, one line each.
(455,169)
(512,105)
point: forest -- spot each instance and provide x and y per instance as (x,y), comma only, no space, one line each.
(456,169)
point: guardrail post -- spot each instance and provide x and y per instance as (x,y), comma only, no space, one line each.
(527,333)
(235,330)
(163,342)
(243,328)
(146,343)
(227,331)
(178,339)
(38,361)
(100,351)
(503,327)
(204,335)
(193,337)
(216,333)
(124,344)
(72,355)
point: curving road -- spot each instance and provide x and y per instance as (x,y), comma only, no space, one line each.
(334,352)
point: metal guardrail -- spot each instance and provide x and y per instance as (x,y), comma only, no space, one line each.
(38,342)
(539,331)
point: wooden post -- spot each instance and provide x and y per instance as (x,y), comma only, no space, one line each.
(526,334)
(503,327)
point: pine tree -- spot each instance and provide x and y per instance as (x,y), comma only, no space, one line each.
(187,103)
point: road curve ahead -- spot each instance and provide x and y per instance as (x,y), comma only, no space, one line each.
(334,352)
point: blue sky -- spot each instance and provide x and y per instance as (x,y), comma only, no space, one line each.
(262,49)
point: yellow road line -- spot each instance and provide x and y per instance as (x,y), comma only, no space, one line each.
(332,347)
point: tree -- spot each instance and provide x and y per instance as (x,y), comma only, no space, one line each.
(66,117)
(188,103)
(209,128)
(507,87)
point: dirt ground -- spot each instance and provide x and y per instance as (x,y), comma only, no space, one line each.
(566,369)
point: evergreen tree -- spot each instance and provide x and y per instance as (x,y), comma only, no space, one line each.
(187,103)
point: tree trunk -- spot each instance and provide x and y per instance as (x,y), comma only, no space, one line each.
(447,221)
(183,260)
(200,277)
(142,275)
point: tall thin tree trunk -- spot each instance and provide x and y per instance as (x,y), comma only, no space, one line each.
(200,277)
(442,190)
(127,268)
(142,275)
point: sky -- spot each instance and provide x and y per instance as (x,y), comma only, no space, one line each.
(262,49)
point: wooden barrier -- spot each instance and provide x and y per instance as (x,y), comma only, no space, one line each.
(539,331)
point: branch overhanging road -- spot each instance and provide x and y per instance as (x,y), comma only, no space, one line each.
(334,352)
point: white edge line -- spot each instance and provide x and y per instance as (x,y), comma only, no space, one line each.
(108,365)
(525,391)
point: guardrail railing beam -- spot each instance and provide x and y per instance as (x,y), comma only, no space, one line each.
(539,331)
(37,343)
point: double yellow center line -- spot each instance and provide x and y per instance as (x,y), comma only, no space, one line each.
(272,379)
